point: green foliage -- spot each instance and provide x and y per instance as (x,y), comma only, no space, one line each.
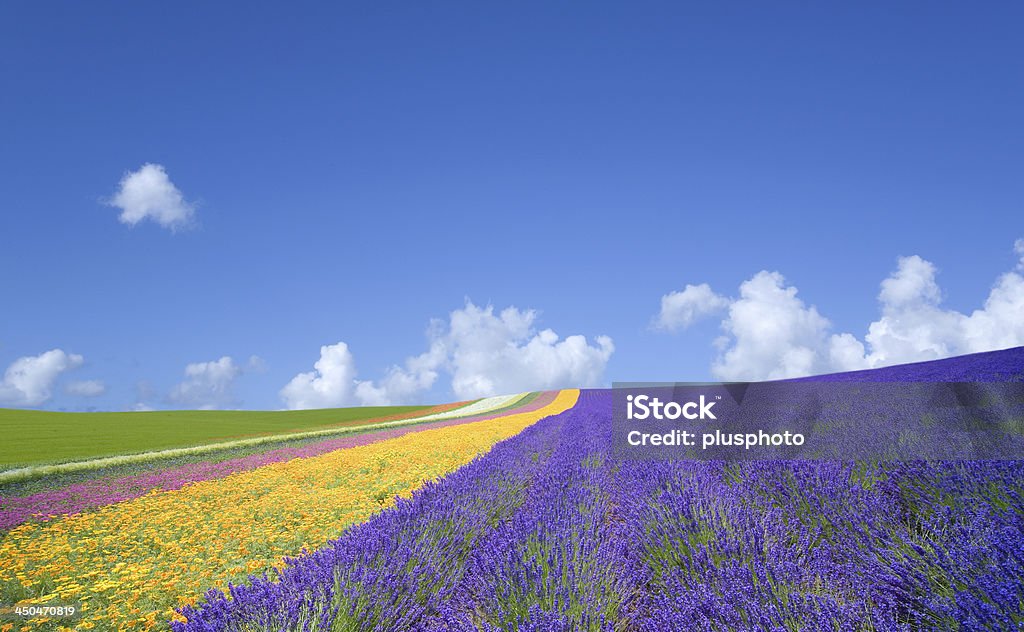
(33,437)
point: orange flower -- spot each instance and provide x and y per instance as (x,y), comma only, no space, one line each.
(162,549)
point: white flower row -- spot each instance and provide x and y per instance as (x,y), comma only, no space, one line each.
(478,407)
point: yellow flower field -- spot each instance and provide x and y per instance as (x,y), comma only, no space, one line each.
(131,563)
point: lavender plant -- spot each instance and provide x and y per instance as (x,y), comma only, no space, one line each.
(547,532)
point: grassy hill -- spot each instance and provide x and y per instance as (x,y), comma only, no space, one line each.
(33,436)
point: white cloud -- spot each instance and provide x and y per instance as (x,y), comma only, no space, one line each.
(913,283)
(483,352)
(142,408)
(679,310)
(328,385)
(207,385)
(402,385)
(1000,323)
(29,380)
(771,334)
(845,353)
(86,388)
(774,334)
(493,354)
(912,326)
(149,194)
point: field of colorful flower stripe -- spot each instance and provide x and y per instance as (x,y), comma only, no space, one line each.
(15,510)
(131,562)
(462,410)
(549,533)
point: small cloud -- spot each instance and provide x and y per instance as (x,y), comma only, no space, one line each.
(402,385)
(911,285)
(207,385)
(679,310)
(328,385)
(256,364)
(142,408)
(149,194)
(29,380)
(86,388)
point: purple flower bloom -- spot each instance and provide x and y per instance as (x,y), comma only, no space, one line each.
(548,532)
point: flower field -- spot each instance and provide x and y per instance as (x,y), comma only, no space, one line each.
(132,561)
(106,490)
(461,410)
(545,531)
(548,533)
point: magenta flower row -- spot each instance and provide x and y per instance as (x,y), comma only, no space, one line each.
(97,493)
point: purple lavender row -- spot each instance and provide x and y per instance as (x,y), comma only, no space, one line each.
(547,532)
(764,546)
(394,571)
(565,561)
(761,546)
(97,493)
(826,546)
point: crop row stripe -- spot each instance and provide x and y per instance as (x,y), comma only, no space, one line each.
(38,471)
(91,494)
(133,561)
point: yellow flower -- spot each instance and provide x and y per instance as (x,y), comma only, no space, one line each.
(161,550)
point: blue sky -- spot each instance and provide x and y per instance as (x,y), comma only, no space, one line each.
(356,171)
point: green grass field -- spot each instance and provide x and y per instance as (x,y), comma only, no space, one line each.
(32,437)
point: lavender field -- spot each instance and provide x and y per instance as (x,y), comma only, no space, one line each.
(547,532)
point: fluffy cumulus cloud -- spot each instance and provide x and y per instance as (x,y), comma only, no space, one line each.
(207,385)
(915,326)
(773,333)
(680,309)
(402,385)
(770,333)
(29,380)
(485,353)
(328,385)
(149,194)
(493,353)
(86,388)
